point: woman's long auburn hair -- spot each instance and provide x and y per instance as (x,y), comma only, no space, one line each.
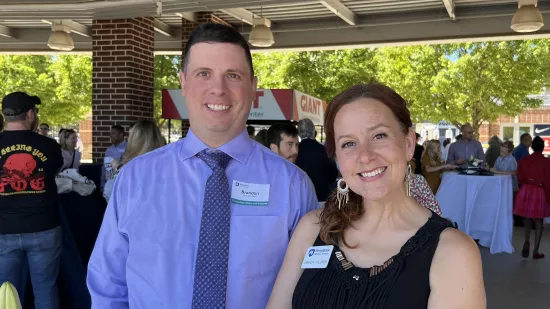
(335,221)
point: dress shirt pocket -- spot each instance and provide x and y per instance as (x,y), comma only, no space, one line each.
(258,246)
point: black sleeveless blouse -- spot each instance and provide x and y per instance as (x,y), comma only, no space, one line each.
(402,282)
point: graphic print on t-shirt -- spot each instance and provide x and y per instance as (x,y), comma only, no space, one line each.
(22,171)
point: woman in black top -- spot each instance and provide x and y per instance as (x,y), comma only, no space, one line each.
(388,252)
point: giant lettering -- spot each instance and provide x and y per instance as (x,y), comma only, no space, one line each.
(310,105)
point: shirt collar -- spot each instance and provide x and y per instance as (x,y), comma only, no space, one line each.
(238,148)
(122,144)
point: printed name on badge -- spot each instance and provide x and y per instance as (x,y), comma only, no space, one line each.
(249,194)
(317,257)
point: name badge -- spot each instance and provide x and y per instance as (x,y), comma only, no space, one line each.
(249,194)
(317,257)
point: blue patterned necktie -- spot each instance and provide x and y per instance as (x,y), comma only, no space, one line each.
(210,282)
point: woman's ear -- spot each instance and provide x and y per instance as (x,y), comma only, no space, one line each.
(410,140)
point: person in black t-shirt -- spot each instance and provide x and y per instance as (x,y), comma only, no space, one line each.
(30,228)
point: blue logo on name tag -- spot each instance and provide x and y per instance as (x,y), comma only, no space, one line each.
(311,252)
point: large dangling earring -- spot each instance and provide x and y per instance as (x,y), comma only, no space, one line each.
(342,193)
(408,179)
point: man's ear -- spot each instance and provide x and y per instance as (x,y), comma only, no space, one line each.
(274,148)
(182,82)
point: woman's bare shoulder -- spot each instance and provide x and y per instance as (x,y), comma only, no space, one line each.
(309,226)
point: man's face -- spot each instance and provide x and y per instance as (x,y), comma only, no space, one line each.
(468,133)
(43,130)
(288,148)
(116,137)
(218,89)
(527,141)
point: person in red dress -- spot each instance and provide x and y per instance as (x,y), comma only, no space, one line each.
(532,199)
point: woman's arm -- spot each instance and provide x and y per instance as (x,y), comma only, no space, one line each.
(431,169)
(456,276)
(304,237)
(495,171)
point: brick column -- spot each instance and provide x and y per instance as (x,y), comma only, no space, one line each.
(123,76)
(186,29)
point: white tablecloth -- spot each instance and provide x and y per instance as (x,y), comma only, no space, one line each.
(481,206)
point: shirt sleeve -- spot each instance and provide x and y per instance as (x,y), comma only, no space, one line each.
(103,172)
(422,193)
(303,202)
(107,267)
(451,154)
(58,157)
(513,164)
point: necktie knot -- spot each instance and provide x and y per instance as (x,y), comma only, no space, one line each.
(214,158)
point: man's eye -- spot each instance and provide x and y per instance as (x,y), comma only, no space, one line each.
(203,73)
(234,76)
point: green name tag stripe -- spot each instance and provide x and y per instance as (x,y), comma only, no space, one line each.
(249,203)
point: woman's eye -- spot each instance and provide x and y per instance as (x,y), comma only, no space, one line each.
(380,136)
(347,144)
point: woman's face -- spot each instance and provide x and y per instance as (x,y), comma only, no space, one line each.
(371,149)
(504,152)
(71,141)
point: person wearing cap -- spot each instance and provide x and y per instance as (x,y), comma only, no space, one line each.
(30,227)
(204,222)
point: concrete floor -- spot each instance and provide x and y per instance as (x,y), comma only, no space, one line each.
(512,282)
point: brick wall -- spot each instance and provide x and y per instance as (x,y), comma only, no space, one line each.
(530,116)
(487,130)
(123,76)
(187,28)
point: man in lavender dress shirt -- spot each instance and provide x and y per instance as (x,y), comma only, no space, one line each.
(145,254)
(461,151)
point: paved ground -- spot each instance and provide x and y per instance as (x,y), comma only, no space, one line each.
(513,282)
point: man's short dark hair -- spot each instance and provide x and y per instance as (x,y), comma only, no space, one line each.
(217,33)
(118,128)
(538,144)
(19,117)
(523,136)
(458,137)
(276,131)
(45,124)
(250,130)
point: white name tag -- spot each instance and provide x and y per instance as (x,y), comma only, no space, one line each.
(317,257)
(250,194)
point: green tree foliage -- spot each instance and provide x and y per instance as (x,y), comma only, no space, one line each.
(64,84)
(459,83)
(473,82)
(323,74)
